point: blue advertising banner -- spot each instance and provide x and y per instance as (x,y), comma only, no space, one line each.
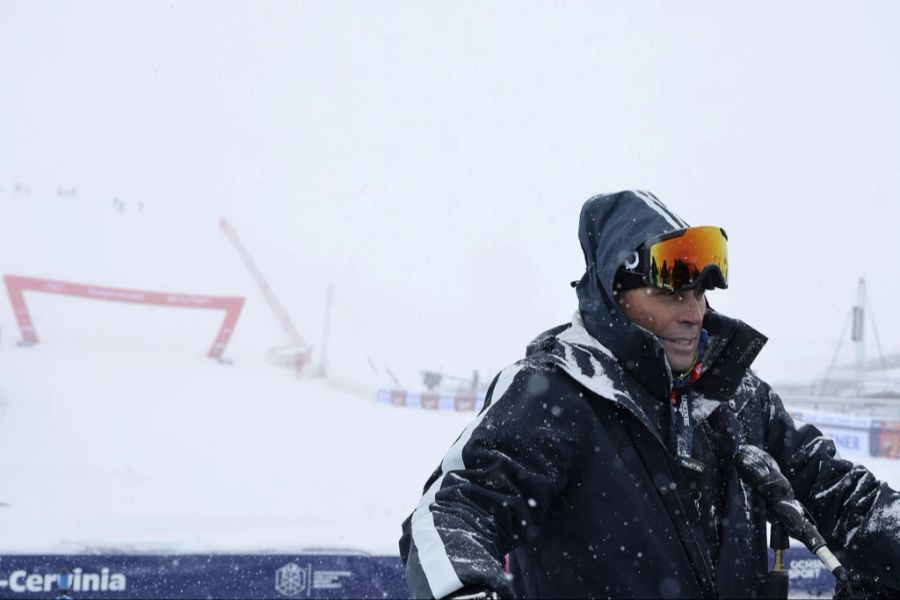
(806,573)
(256,576)
(202,576)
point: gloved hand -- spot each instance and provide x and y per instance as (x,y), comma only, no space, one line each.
(472,592)
(857,588)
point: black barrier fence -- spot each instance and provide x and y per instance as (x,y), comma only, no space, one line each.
(255,576)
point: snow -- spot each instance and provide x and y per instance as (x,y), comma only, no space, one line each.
(157,453)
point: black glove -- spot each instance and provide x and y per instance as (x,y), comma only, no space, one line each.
(857,588)
(473,592)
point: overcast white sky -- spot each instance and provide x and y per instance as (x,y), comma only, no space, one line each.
(431,158)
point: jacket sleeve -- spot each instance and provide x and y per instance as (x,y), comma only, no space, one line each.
(493,486)
(858,515)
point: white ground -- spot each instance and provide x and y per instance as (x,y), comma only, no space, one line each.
(154,453)
(117,433)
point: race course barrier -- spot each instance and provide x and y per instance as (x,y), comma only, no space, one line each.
(256,576)
(860,435)
(851,434)
(453,401)
(855,435)
(885,439)
(203,576)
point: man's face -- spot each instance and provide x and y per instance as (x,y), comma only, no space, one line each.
(676,317)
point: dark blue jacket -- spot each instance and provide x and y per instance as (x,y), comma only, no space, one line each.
(569,468)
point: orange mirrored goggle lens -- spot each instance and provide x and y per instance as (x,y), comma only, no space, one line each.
(677,261)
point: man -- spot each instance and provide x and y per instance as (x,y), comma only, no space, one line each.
(603,462)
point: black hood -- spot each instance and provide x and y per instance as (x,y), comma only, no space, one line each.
(611,227)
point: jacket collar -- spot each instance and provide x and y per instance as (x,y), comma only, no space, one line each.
(595,367)
(733,346)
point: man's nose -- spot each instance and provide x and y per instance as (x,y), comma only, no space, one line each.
(692,310)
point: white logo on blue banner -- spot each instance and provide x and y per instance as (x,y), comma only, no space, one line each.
(290,580)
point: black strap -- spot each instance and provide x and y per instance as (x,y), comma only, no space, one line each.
(682,433)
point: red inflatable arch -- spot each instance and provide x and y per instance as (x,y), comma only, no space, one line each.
(16,286)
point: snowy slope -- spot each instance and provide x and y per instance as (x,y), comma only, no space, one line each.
(147,452)
(117,432)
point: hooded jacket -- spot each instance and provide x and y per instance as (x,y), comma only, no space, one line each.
(570,471)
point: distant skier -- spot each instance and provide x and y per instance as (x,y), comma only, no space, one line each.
(602,463)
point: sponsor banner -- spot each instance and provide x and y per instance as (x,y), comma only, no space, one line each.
(848,441)
(258,576)
(885,439)
(202,576)
(455,401)
(806,573)
(851,434)
(832,419)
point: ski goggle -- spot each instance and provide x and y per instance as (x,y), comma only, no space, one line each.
(679,260)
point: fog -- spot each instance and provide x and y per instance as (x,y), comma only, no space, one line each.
(431,159)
